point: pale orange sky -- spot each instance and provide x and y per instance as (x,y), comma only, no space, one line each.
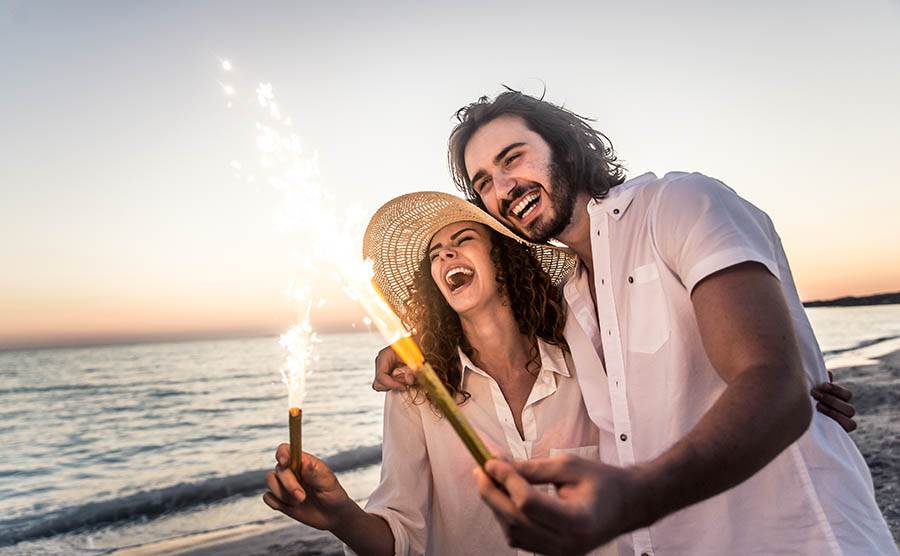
(123,220)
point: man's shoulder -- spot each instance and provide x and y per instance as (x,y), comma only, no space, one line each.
(675,188)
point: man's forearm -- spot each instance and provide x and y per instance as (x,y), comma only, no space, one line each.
(365,533)
(760,413)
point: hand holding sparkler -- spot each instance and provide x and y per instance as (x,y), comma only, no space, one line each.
(320,501)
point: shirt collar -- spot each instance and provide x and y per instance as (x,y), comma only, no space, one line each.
(619,198)
(552,360)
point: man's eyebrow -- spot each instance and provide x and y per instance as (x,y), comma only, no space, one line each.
(480,173)
(502,154)
(454,236)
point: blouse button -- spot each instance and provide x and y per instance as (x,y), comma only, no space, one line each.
(631,279)
(623,437)
(615,211)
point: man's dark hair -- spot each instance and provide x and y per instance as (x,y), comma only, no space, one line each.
(582,156)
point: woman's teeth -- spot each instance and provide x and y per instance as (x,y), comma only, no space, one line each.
(524,207)
(458,276)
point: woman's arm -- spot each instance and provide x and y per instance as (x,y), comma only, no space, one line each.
(321,502)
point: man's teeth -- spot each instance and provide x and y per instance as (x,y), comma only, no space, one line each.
(522,209)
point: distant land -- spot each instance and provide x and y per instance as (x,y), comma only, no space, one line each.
(850,301)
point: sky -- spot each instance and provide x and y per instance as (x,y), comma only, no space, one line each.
(122,219)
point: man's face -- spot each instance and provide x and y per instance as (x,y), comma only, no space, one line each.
(512,170)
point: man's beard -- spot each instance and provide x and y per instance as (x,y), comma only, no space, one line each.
(562,198)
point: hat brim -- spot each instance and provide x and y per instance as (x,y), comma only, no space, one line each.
(398,235)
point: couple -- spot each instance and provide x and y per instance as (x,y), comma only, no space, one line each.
(680,324)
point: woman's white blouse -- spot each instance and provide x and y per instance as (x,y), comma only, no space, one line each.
(427,492)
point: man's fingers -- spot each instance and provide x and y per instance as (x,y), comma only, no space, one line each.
(834,403)
(538,506)
(386,362)
(556,470)
(496,499)
(521,531)
(289,483)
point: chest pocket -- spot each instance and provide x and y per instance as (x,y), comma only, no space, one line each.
(648,314)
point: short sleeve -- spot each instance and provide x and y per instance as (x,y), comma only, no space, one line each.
(403,496)
(700,227)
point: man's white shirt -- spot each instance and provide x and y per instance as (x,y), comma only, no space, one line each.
(646,379)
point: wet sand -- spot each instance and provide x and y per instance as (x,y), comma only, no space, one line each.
(876,390)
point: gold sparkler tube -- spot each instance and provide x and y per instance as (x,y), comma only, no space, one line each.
(295,418)
(407,349)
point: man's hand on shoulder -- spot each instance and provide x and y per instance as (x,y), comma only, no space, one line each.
(390,372)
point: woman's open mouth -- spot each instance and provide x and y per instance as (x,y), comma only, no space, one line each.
(458,277)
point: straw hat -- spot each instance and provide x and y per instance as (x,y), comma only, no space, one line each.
(398,235)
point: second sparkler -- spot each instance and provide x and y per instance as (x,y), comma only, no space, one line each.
(410,353)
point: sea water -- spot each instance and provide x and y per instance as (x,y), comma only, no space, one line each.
(105,447)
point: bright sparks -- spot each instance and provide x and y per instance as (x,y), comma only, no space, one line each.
(330,241)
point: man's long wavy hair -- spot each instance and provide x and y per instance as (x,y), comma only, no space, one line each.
(582,156)
(536,305)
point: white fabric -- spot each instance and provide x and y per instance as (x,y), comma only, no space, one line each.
(427,492)
(652,241)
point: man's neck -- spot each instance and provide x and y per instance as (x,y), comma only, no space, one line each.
(577,235)
(500,349)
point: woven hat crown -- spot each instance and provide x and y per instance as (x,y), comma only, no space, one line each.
(398,235)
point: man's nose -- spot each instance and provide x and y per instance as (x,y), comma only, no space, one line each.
(503,185)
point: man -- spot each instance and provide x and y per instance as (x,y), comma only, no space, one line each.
(693,353)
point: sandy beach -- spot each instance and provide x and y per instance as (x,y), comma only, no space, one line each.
(876,390)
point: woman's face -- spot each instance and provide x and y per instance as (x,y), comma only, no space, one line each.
(461,265)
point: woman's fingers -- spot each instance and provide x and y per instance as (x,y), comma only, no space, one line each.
(834,403)
(274,503)
(847,423)
(289,484)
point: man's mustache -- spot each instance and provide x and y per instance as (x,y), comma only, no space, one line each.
(515,193)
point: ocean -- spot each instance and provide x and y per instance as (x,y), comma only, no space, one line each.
(116,446)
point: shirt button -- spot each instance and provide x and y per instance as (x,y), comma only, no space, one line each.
(623,437)
(631,279)
(598,232)
(644,554)
(615,211)
(602,281)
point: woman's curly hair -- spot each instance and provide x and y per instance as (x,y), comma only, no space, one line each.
(536,305)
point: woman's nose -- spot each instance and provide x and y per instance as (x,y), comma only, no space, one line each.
(448,253)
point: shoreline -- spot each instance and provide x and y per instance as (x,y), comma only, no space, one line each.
(878,412)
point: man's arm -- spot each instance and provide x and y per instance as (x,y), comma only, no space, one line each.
(747,332)
(746,329)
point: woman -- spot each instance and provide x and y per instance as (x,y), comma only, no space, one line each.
(488,316)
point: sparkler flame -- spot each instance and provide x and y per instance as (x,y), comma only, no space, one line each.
(331,239)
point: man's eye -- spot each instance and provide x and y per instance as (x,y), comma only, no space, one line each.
(483,184)
(511,158)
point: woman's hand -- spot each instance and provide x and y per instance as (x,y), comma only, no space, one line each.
(318,501)
(834,401)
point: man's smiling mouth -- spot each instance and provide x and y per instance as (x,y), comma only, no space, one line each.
(458,277)
(526,205)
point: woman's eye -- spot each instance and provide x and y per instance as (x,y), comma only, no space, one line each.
(511,158)
(463,240)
